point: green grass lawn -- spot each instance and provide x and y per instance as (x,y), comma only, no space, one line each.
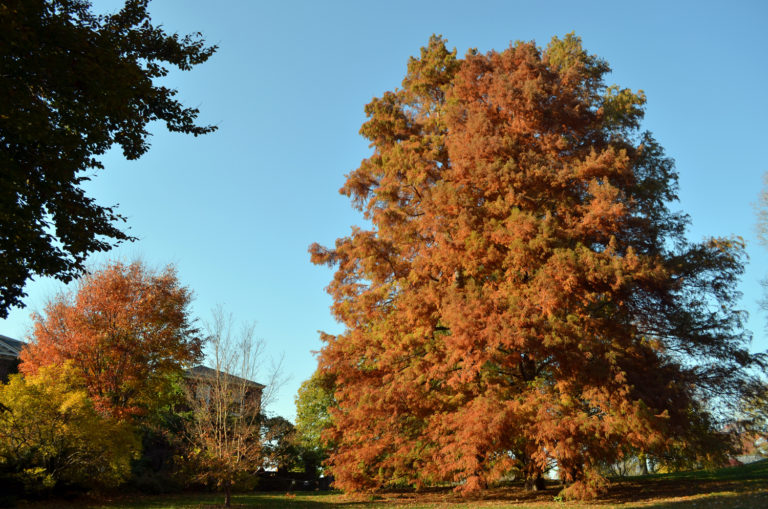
(744,487)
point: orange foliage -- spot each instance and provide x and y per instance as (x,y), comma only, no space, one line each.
(525,296)
(126,329)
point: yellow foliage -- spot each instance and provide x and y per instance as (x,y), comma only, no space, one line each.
(51,433)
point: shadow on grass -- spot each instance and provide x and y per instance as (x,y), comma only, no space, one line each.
(739,487)
(298,500)
(308,500)
(434,497)
(735,480)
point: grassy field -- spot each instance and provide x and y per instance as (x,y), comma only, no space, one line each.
(743,487)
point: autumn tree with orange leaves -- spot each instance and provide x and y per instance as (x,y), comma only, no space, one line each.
(525,296)
(127,330)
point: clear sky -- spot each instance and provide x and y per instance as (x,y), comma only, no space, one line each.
(237,209)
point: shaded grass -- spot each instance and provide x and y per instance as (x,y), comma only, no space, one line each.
(744,487)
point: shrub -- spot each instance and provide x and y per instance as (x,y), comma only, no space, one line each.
(50,434)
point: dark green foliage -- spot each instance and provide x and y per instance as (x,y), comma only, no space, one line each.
(161,467)
(281,449)
(73,85)
(8,367)
(158,469)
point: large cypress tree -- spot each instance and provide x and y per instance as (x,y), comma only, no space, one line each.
(525,296)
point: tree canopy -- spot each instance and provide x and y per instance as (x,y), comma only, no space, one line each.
(525,296)
(50,433)
(314,400)
(75,84)
(128,332)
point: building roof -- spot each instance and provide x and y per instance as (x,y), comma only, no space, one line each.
(203,372)
(10,348)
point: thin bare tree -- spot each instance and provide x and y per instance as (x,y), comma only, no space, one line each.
(227,405)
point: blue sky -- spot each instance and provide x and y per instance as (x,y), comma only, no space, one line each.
(236,210)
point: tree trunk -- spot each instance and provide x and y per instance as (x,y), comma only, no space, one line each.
(535,483)
(644,465)
(227,495)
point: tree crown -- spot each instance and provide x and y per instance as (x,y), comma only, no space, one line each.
(75,84)
(525,294)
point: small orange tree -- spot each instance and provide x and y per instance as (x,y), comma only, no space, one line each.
(127,330)
(525,295)
(227,406)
